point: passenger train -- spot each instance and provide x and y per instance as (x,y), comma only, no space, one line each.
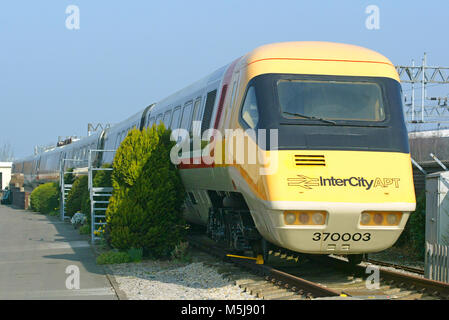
(343,180)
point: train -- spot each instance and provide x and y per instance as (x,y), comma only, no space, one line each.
(332,171)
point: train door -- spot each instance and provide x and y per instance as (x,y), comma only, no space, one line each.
(209,107)
(35,171)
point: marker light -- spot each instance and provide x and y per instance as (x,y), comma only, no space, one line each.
(380,218)
(366,217)
(318,218)
(305,217)
(290,218)
(392,219)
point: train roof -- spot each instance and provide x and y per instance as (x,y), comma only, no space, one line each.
(316,50)
(319,57)
(196,86)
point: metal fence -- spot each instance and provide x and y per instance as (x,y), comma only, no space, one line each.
(437,262)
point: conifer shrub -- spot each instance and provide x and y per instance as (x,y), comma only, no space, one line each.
(145,210)
(69,177)
(414,235)
(77,196)
(45,198)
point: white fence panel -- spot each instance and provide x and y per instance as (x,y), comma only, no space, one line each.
(437,262)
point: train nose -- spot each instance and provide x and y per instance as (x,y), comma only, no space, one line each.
(335,232)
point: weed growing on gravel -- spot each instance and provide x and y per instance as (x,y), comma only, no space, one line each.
(113,257)
(181,252)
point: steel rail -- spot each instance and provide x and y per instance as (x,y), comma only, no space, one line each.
(280,278)
(395,266)
(400,279)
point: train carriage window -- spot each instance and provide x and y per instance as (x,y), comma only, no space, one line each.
(159,119)
(175,118)
(208,109)
(117,140)
(196,116)
(151,122)
(250,112)
(185,120)
(166,120)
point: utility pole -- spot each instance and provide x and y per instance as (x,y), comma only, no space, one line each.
(92,128)
(424,75)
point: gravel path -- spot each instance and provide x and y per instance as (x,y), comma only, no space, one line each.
(166,280)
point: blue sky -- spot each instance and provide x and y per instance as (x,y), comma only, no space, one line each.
(128,54)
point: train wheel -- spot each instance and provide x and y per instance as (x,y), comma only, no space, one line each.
(355,259)
(261,247)
(265,249)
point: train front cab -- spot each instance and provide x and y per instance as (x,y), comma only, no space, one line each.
(343,180)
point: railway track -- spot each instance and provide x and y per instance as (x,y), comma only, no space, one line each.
(395,266)
(297,277)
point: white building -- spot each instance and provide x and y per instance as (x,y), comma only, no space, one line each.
(5,174)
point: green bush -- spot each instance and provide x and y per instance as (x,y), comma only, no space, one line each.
(145,210)
(76,199)
(135,255)
(45,198)
(111,257)
(85,229)
(414,234)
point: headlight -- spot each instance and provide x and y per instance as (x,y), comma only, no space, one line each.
(366,218)
(318,218)
(380,218)
(305,217)
(290,218)
(392,219)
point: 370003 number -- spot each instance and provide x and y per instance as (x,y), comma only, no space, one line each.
(318,236)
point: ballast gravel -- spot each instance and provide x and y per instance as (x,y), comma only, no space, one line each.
(165,280)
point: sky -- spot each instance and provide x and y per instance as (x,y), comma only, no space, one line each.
(125,55)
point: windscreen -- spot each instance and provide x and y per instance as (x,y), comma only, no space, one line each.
(333,100)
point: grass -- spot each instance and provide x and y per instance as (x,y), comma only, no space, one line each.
(114,256)
(84,229)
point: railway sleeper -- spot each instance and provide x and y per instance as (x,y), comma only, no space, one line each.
(247,281)
(257,286)
(267,289)
(278,295)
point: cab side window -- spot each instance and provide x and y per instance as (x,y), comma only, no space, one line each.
(250,112)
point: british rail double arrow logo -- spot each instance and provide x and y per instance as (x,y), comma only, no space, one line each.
(303,182)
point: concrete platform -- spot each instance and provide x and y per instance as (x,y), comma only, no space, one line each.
(35,251)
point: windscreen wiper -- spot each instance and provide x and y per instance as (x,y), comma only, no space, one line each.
(310,117)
